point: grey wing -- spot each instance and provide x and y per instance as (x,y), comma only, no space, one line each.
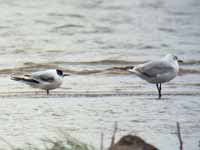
(152,69)
(45,77)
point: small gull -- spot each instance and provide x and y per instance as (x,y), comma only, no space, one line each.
(47,80)
(159,71)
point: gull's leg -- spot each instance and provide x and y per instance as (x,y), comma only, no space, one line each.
(160,88)
(47,92)
(158,85)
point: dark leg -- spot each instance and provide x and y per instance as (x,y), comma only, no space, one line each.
(160,92)
(158,88)
(47,92)
(158,85)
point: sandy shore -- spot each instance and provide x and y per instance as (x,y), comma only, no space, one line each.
(30,119)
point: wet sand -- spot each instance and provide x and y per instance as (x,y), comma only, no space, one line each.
(85,106)
(37,35)
(30,119)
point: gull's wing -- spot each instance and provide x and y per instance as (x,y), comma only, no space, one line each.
(154,68)
(44,76)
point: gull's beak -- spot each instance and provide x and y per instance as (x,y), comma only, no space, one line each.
(65,75)
(180,61)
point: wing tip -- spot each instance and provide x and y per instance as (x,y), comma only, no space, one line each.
(29,80)
(16,78)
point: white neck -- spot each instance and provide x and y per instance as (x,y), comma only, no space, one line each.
(169,59)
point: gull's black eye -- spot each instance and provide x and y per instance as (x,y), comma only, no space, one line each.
(175,58)
(59,72)
(131,67)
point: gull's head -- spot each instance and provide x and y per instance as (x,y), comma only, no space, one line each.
(60,73)
(172,58)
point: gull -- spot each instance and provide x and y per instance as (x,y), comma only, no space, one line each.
(47,80)
(159,71)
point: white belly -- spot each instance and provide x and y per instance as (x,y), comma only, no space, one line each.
(160,78)
(47,85)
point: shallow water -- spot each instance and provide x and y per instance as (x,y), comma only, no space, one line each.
(29,119)
(90,40)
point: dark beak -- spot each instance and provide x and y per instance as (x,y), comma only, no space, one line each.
(65,75)
(180,61)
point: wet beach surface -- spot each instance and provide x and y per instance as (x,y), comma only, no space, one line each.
(89,39)
(87,105)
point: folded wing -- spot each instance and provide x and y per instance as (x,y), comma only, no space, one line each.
(155,68)
(43,76)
